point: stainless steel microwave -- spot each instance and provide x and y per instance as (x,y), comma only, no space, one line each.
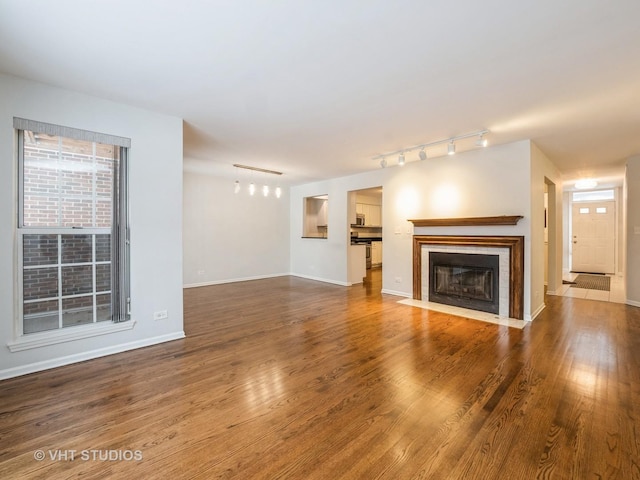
(359,219)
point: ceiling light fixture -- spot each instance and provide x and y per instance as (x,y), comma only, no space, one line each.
(422,154)
(586,184)
(252,186)
(451,148)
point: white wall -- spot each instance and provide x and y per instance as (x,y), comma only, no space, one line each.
(155,212)
(483,182)
(231,237)
(542,172)
(326,259)
(620,231)
(632,269)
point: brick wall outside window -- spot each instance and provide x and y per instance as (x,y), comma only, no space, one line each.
(66,185)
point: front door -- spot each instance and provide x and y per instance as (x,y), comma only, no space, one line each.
(593,237)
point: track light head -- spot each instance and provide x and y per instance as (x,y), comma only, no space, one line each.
(265,190)
(422,147)
(252,188)
(278,191)
(451,148)
(236,188)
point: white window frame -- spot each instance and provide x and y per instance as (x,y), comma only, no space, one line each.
(120,242)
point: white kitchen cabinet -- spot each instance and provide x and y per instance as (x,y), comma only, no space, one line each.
(372,213)
(376,254)
(375,217)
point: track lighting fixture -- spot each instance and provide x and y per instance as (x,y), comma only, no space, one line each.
(236,187)
(278,191)
(422,154)
(451,148)
(252,188)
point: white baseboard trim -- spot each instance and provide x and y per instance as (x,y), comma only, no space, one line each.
(81,357)
(396,293)
(530,318)
(633,303)
(234,280)
(325,280)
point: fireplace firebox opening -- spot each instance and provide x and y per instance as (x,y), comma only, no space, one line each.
(465,280)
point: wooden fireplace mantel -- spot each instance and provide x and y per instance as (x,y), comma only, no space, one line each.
(515,244)
(467,221)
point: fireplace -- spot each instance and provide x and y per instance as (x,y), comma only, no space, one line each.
(511,265)
(465,280)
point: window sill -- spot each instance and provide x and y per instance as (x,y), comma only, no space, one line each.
(69,334)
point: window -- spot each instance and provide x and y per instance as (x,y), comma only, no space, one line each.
(601,209)
(594,196)
(72,230)
(584,210)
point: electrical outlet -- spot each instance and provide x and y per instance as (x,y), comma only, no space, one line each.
(160,315)
(200,272)
(398,279)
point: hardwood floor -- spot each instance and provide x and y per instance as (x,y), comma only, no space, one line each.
(291,378)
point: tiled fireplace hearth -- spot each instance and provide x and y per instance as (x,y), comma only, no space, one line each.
(508,249)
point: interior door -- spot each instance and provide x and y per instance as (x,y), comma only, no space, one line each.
(593,237)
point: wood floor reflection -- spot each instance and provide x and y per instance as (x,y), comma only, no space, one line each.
(291,378)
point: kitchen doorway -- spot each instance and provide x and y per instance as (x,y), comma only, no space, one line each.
(366,228)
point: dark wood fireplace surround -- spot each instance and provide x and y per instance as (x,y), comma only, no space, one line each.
(515,245)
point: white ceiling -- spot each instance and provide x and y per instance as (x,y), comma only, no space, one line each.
(316,88)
